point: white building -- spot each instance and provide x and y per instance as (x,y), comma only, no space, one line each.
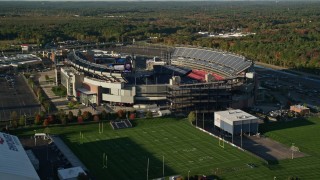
(70,173)
(236,122)
(14,162)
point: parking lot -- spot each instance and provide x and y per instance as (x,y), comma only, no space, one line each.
(15,95)
(283,89)
(288,87)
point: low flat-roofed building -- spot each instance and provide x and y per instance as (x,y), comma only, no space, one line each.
(14,161)
(302,110)
(70,173)
(236,122)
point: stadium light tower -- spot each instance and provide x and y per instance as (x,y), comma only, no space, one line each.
(35,139)
(163,167)
(148,170)
(25,120)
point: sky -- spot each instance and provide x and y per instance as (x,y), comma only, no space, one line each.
(158,0)
(143,0)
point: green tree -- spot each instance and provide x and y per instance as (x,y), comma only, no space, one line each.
(14,119)
(62,116)
(149,114)
(266,119)
(104,115)
(79,113)
(70,116)
(192,117)
(47,77)
(22,120)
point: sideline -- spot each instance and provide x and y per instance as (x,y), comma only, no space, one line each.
(252,154)
(72,158)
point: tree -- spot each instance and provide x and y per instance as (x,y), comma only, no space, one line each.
(96,118)
(149,114)
(39,94)
(120,113)
(52,119)
(22,120)
(192,117)
(86,115)
(46,122)
(64,120)
(132,116)
(37,119)
(80,119)
(293,178)
(104,114)
(14,119)
(79,113)
(62,116)
(266,119)
(47,77)
(70,116)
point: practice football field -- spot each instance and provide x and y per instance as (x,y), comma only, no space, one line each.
(182,147)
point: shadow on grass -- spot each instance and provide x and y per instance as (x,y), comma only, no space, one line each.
(274,126)
(125,159)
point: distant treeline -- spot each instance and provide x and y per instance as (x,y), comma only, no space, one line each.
(286,33)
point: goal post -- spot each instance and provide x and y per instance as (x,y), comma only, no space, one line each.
(221,142)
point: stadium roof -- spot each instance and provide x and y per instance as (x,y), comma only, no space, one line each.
(14,162)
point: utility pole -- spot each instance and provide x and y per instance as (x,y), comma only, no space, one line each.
(196,118)
(163,167)
(203,121)
(25,120)
(148,170)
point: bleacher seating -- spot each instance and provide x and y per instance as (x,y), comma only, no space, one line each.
(121,124)
(227,63)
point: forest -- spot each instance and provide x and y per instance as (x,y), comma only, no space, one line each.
(282,33)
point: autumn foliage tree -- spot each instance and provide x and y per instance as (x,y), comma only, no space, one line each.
(52,119)
(46,122)
(96,118)
(120,113)
(132,116)
(80,119)
(86,115)
(37,119)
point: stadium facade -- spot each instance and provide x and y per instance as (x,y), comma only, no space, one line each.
(190,79)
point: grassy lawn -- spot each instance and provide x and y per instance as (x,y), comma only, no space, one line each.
(59,90)
(304,134)
(184,148)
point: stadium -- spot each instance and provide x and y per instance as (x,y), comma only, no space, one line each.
(186,79)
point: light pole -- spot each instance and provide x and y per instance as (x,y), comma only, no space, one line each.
(188,174)
(25,120)
(35,138)
(163,167)
(47,152)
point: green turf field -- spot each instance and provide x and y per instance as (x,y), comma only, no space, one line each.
(185,148)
